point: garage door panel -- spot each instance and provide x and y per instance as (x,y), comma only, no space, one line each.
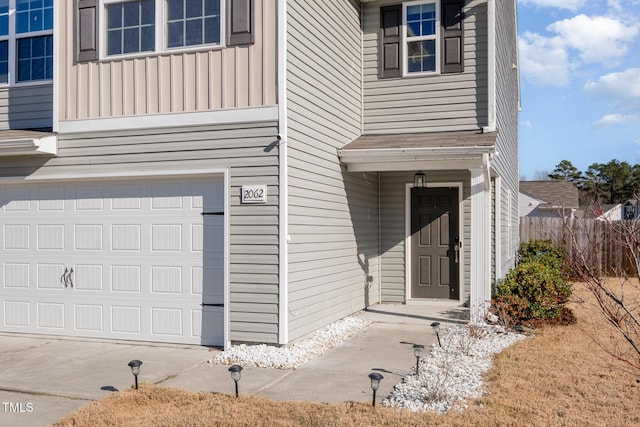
(144,260)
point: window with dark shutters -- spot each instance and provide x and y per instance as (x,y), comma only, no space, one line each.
(240,22)
(391,47)
(452,41)
(240,26)
(86,30)
(391,41)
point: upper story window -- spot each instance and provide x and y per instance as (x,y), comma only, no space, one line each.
(421,37)
(157,25)
(130,27)
(193,22)
(421,28)
(26,40)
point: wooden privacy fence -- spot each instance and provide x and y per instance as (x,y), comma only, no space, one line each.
(601,240)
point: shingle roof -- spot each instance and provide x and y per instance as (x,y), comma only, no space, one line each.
(424,140)
(555,193)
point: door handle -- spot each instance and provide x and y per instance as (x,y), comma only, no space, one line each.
(66,279)
(69,277)
(63,278)
(456,249)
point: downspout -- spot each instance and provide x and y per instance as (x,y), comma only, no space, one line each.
(491,67)
(283,208)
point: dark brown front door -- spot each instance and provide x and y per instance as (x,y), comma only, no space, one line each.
(434,243)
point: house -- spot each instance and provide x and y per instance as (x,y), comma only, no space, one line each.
(616,211)
(251,170)
(553,198)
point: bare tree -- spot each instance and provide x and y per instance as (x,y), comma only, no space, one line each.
(616,294)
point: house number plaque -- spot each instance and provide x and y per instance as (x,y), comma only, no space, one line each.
(254,194)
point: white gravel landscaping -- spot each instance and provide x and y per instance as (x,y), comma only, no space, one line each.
(297,354)
(449,375)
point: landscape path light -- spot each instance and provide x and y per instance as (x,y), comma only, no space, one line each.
(135,369)
(375,384)
(436,329)
(418,350)
(236,373)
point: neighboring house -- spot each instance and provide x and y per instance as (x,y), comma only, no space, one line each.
(617,211)
(553,198)
(243,170)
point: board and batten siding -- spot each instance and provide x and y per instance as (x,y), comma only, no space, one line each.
(169,82)
(507,98)
(393,230)
(428,103)
(26,107)
(249,150)
(333,215)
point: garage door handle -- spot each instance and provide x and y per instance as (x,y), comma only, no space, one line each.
(63,278)
(212,305)
(212,213)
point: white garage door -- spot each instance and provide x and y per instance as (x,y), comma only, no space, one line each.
(139,260)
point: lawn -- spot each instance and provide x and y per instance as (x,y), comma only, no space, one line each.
(560,376)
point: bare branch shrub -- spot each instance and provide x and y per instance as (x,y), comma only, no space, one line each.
(616,291)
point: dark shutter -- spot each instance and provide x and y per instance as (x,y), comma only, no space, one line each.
(391,41)
(240,22)
(452,29)
(85,30)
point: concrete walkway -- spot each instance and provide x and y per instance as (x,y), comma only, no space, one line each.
(44,378)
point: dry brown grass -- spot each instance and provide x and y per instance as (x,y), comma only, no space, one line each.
(558,377)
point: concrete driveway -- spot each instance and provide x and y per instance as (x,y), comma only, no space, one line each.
(43,378)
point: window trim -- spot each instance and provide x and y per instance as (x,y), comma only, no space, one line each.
(160,33)
(12,52)
(436,37)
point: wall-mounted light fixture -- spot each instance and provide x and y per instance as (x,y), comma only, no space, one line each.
(419,179)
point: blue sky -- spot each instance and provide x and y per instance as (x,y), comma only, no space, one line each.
(580,83)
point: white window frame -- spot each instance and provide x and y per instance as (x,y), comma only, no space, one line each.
(12,41)
(406,39)
(160,22)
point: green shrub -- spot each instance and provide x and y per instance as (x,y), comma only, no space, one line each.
(532,290)
(545,252)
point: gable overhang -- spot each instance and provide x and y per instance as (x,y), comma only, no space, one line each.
(26,143)
(429,151)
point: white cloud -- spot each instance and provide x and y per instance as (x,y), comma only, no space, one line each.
(622,87)
(544,60)
(560,4)
(526,124)
(573,43)
(598,39)
(614,119)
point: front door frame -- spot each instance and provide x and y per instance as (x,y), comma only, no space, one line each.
(407,235)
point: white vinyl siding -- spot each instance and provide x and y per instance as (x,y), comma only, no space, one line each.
(506,162)
(333,224)
(427,103)
(26,107)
